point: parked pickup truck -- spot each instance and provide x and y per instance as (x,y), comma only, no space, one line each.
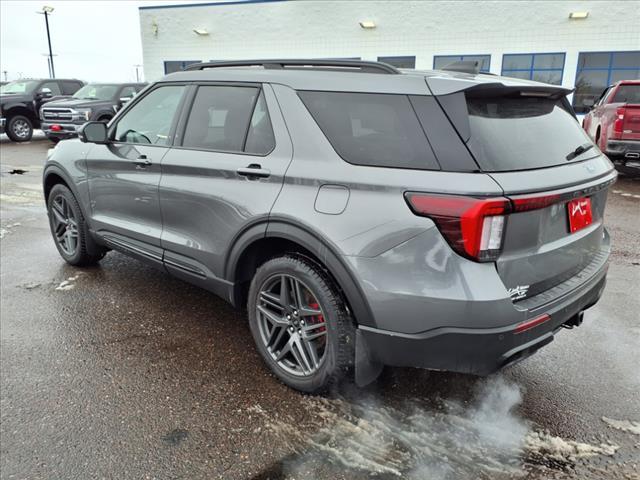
(20,102)
(95,101)
(614,124)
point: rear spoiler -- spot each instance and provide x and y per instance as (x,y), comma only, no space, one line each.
(491,86)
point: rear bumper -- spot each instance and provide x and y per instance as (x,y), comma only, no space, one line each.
(481,337)
(629,149)
(67,130)
(479,351)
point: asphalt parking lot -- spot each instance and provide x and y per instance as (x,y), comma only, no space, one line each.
(121,371)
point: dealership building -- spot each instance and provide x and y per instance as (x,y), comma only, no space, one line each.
(585,45)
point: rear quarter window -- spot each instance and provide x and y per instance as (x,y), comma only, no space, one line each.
(380,130)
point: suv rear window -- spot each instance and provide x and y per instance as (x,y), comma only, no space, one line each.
(627,94)
(522,133)
(379,130)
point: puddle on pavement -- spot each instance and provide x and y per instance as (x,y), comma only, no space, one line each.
(485,439)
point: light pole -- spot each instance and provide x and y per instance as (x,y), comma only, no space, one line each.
(137,73)
(46,11)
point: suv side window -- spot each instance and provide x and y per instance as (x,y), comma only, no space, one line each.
(149,120)
(219,118)
(127,92)
(372,129)
(70,87)
(53,86)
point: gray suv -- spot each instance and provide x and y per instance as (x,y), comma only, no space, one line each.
(365,216)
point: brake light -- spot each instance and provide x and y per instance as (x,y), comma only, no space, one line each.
(618,123)
(473,226)
(525,203)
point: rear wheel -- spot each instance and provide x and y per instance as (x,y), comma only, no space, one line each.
(300,324)
(19,128)
(69,229)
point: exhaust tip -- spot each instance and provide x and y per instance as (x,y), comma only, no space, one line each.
(632,155)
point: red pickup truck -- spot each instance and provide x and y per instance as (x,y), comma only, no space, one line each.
(614,124)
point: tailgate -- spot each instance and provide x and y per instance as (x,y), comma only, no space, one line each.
(530,143)
(631,122)
(539,248)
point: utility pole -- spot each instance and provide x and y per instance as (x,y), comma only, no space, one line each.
(4,72)
(137,73)
(46,11)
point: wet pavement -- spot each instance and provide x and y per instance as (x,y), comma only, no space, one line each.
(121,371)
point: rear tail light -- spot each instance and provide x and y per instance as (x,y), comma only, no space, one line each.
(473,226)
(618,123)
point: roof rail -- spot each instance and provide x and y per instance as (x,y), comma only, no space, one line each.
(353,65)
(464,66)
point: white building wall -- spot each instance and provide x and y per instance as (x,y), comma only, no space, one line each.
(317,29)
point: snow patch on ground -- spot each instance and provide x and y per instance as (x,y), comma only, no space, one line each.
(8,228)
(68,284)
(623,425)
(485,439)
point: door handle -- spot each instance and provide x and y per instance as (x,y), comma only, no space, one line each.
(142,161)
(254,171)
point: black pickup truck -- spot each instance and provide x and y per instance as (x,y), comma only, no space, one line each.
(95,101)
(20,102)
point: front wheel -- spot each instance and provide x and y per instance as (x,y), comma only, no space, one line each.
(69,229)
(19,128)
(300,324)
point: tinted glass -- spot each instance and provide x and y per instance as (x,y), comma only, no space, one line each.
(371,129)
(400,62)
(628,74)
(260,138)
(627,94)
(149,121)
(178,65)
(626,60)
(127,92)
(548,60)
(53,86)
(589,86)
(517,62)
(442,61)
(522,133)
(593,60)
(69,88)
(553,77)
(220,117)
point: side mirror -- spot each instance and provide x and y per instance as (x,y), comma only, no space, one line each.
(93,132)
(45,93)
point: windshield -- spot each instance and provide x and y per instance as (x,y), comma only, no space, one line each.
(96,92)
(19,86)
(523,133)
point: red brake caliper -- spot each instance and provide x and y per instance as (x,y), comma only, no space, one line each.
(318,318)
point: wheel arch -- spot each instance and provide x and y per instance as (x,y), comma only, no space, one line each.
(20,109)
(255,246)
(54,175)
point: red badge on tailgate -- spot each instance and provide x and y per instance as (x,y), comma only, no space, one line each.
(579,213)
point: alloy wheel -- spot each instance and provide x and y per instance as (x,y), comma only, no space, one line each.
(65,225)
(292,325)
(20,128)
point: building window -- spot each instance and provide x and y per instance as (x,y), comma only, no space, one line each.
(441,61)
(171,66)
(541,67)
(399,62)
(598,70)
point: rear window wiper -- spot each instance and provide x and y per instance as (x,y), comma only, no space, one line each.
(579,151)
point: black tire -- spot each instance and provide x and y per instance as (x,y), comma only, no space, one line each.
(85,252)
(337,362)
(19,128)
(105,119)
